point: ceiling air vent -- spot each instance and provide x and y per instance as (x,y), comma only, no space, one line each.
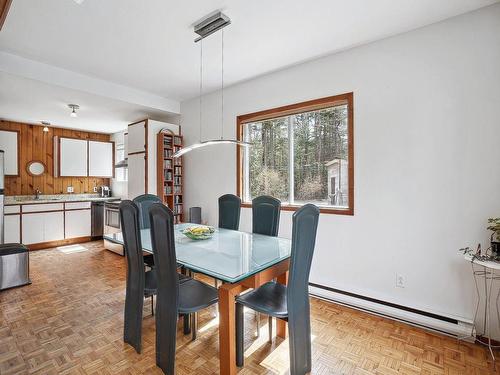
(211,24)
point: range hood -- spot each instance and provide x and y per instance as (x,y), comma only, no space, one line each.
(122,163)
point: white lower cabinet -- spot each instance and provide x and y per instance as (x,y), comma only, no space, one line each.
(53,226)
(78,223)
(42,227)
(12,228)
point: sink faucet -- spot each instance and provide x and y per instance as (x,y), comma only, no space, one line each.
(37,193)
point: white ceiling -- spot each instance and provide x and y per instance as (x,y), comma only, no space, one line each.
(31,101)
(149,44)
(144,50)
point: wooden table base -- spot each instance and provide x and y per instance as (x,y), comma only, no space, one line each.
(227,328)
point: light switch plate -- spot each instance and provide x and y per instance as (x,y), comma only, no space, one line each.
(95,189)
(70,189)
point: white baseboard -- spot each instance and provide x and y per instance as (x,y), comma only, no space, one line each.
(461,329)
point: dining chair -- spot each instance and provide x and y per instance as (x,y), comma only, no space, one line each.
(265,220)
(266,215)
(195,215)
(229,211)
(173,298)
(290,303)
(144,202)
(140,283)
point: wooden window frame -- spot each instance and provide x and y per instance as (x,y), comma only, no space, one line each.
(291,109)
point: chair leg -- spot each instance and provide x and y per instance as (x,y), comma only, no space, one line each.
(132,327)
(194,325)
(257,318)
(300,345)
(187,324)
(152,306)
(239,335)
(270,324)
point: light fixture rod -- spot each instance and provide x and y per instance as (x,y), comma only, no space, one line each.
(222,87)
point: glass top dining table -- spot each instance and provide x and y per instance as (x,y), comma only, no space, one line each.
(230,255)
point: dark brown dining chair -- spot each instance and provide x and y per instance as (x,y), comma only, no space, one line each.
(291,302)
(265,220)
(144,202)
(229,211)
(140,283)
(173,298)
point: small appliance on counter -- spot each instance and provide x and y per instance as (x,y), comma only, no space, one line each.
(104,191)
(112,225)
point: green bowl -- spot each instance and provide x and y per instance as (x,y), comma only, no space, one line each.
(198,237)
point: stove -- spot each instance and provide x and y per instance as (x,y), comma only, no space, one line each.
(112,225)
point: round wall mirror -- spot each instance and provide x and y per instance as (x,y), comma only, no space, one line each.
(35,168)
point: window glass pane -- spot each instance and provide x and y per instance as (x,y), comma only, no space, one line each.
(266,165)
(121,174)
(321,157)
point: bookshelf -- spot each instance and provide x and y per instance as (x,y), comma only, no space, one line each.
(170,174)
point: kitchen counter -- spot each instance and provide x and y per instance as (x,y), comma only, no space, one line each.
(56,198)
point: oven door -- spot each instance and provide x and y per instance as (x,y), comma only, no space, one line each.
(112,220)
(112,225)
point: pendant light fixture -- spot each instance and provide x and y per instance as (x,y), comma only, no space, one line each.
(205,28)
(45,126)
(73,108)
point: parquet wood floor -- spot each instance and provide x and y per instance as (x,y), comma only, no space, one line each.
(69,321)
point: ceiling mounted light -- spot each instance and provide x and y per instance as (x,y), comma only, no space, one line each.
(73,108)
(204,28)
(45,126)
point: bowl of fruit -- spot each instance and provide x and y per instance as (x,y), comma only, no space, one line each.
(199,232)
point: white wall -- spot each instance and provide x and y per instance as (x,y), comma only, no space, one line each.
(427,152)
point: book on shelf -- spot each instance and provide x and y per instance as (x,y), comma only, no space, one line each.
(178,170)
(167,164)
(177,141)
(167,153)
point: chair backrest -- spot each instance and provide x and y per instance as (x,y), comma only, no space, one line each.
(144,202)
(305,225)
(129,216)
(167,300)
(134,299)
(266,215)
(195,215)
(229,212)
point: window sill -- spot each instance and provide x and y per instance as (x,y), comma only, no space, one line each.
(323,210)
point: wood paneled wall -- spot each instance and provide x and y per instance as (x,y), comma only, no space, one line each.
(38,145)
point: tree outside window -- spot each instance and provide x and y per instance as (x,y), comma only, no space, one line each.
(301,156)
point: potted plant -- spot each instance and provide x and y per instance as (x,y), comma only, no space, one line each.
(494,226)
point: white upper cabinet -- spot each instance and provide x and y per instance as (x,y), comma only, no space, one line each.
(73,157)
(136,138)
(101,159)
(136,175)
(9,143)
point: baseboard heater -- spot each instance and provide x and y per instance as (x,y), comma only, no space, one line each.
(454,326)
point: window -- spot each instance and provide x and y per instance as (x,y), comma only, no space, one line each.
(121,174)
(302,153)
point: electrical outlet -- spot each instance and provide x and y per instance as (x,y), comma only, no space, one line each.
(70,189)
(400,281)
(95,189)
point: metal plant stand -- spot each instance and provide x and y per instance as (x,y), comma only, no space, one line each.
(485,273)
